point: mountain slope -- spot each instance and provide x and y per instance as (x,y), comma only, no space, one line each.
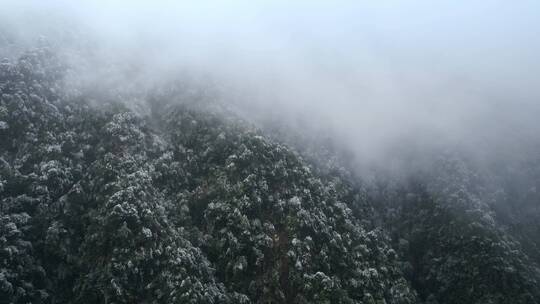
(102,205)
(186,203)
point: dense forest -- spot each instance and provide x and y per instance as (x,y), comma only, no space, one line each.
(187,202)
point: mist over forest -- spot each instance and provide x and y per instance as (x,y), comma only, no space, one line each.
(269,152)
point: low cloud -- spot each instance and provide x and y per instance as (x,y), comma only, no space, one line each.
(384,77)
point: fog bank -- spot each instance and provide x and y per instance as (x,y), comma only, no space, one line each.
(384,77)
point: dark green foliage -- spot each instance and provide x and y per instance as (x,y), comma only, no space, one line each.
(274,231)
(189,204)
(99,207)
(81,220)
(453,250)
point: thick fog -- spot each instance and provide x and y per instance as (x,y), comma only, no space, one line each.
(381,77)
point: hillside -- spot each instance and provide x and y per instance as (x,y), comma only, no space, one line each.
(187,203)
